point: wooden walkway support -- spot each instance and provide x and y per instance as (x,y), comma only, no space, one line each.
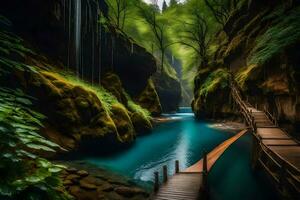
(191,183)
(273,149)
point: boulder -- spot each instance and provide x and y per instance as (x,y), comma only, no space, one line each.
(149,99)
(112,83)
(126,132)
(141,123)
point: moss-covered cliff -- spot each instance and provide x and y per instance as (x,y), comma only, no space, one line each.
(259,46)
(83,96)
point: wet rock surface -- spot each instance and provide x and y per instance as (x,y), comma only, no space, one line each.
(86,182)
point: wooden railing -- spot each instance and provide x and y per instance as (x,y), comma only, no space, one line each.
(236,95)
(165,177)
(271,117)
(285,175)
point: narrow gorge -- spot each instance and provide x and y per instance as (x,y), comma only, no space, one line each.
(116,99)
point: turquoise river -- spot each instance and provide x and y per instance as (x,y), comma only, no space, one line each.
(184,139)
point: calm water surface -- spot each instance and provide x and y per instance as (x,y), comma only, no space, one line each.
(184,140)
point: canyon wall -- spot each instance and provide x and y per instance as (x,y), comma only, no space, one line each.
(259,47)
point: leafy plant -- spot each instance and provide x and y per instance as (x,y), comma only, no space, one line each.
(284,32)
(22,170)
(218,79)
(12,46)
(24,173)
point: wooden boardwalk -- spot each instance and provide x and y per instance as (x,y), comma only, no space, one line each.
(276,151)
(190,184)
(276,139)
(181,186)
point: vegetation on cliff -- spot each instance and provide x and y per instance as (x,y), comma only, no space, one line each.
(87,111)
(24,173)
(283,32)
(258,44)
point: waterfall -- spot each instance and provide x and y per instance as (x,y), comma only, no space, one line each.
(100,47)
(84,35)
(77,27)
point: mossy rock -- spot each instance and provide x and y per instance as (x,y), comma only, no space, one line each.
(121,118)
(149,99)
(141,123)
(76,113)
(112,83)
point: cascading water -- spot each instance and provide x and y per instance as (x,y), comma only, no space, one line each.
(84,37)
(100,46)
(77,32)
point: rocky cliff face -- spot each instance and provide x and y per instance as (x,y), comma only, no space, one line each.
(260,47)
(70,32)
(76,114)
(67,36)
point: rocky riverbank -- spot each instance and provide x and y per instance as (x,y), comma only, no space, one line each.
(84,182)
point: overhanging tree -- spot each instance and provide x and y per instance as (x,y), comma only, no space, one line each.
(118,12)
(158,28)
(194,34)
(221,9)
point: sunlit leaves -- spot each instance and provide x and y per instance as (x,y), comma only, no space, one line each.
(21,167)
(19,138)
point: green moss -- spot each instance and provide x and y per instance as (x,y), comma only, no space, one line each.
(284,32)
(217,79)
(133,107)
(235,44)
(106,98)
(121,118)
(244,74)
(112,83)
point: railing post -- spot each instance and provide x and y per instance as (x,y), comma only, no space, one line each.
(165,173)
(176,166)
(203,187)
(282,175)
(204,169)
(156,181)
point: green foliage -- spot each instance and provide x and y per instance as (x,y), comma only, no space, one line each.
(11,44)
(244,74)
(24,174)
(134,107)
(21,169)
(106,98)
(218,79)
(284,32)
(173,3)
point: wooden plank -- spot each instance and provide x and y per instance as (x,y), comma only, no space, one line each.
(289,153)
(181,186)
(279,142)
(215,154)
(271,133)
